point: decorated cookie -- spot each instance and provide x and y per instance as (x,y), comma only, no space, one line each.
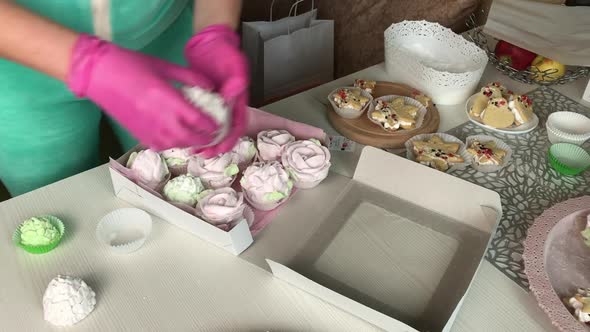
(579,305)
(480,102)
(406,120)
(387,118)
(394,114)
(422,98)
(491,91)
(497,114)
(366,85)
(350,98)
(397,103)
(486,153)
(522,107)
(437,153)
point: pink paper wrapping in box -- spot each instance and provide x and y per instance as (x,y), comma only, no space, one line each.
(257,121)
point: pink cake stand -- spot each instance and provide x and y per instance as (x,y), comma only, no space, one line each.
(557,261)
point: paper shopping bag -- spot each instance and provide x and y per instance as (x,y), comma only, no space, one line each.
(300,59)
(267,42)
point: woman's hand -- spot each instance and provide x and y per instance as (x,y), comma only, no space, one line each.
(215,53)
(137,91)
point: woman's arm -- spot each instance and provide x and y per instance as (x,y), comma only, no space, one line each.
(34,41)
(209,12)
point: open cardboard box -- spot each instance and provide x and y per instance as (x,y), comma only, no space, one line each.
(397,245)
(239,237)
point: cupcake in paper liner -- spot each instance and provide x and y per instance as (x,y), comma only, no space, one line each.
(307,161)
(39,235)
(149,168)
(184,189)
(266,185)
(216,172)
(245,152)
(488,154)
(439,151)
(223,207)
(271,143)
(177,160)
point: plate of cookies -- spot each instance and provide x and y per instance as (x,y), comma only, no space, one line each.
(498,109)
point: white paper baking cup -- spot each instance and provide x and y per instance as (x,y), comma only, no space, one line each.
(499,144)
(568,127)
(408,101)
(124,230)
(445,137)
(349,113)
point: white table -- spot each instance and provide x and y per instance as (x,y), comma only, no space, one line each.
(205,288)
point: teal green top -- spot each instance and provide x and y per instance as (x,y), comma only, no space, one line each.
(134,23)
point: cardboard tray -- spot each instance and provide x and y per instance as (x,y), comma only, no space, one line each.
(238,238)
(397,245)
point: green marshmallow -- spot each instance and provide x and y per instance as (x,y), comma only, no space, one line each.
(586,235)
(251,151)
(175,162)
(274,196)
(231,170)
(316,141)
(38,231)
(184,189)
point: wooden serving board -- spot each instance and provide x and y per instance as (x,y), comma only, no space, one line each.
(363,131)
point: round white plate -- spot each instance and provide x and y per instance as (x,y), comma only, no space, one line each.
(517,130)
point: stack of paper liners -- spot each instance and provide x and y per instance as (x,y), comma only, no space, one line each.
(399,250)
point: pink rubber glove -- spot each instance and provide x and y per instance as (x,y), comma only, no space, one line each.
(215,53)
(137,91)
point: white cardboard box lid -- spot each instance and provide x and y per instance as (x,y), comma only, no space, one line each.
(463,202)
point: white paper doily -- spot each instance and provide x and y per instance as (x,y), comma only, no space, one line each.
(434,59)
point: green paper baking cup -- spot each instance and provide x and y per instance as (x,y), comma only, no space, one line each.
(56,222)
(568,159)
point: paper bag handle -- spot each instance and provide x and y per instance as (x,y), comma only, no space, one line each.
(295,5)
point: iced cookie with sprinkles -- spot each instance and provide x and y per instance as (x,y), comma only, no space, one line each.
(522,107)
(421,97)
(486,153)
(437,153)
(367,85)
(349,98)
(579,305)
(497,114)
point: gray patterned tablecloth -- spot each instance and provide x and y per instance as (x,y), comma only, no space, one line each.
(528,185)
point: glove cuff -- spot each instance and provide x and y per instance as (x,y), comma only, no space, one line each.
(85,54)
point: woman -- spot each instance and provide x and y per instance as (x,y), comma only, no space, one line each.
(57,75)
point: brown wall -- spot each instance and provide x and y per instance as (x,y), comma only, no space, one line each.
(359,24)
